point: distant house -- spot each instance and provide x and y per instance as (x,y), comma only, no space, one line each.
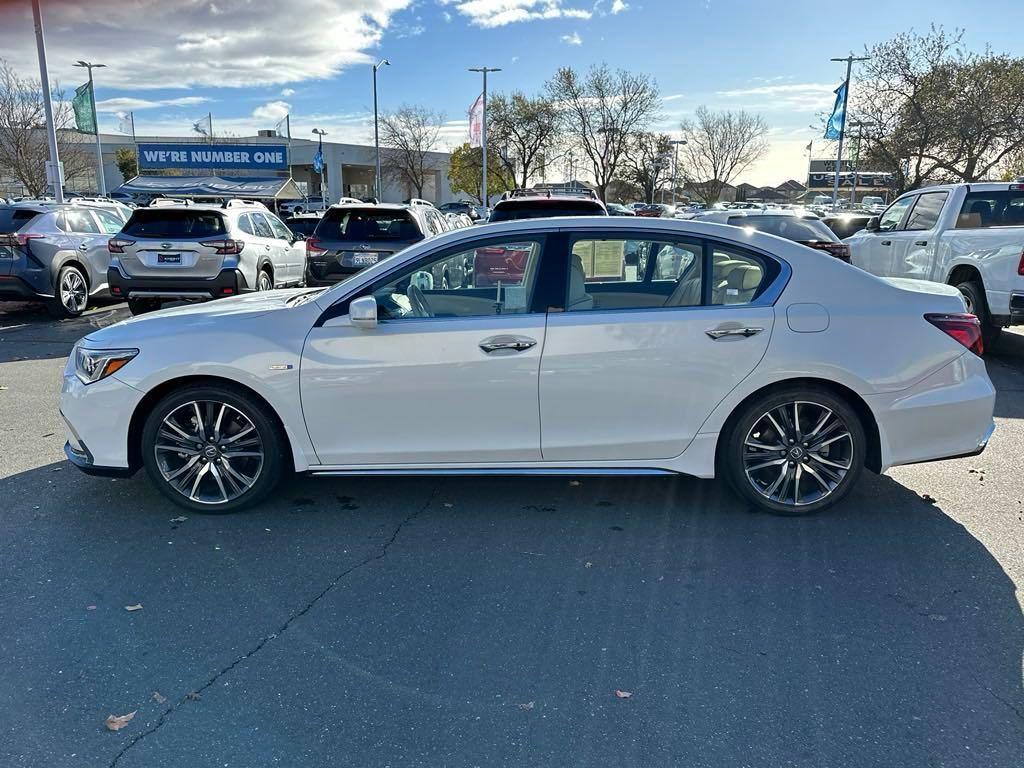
(792,189)
(743,191)
(766,195)
(727,195)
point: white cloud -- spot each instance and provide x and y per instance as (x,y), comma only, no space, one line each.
(786,96)
(286,92)
(266,42)
(272,112)
(498,13)
(573,39)
(135,105)
(672,97)
(618,6)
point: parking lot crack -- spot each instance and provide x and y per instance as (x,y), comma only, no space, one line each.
(1008,704)
(196,693)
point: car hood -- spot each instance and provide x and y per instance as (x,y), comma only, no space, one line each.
(238,308)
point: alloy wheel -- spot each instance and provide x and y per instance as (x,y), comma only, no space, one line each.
(798,453)
(263,282)
(208,451)
(72,291)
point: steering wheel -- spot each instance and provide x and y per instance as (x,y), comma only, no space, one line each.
(420,307)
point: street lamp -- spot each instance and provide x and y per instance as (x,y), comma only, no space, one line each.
(483,131)
(99,147)
(860,125)
(320,152)
(376,133)
(675,166)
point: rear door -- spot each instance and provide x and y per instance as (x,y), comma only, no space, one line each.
(292,253)
(87,235)
(268,245)
(642,354)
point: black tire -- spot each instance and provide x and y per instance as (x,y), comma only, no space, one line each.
(264,280)
(142,306)
(742,464)
(264,472)
(70,282)
(974,294)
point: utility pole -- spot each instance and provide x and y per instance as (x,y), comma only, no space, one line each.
(483,130)
(100,176)
(376,132)
(55,172)
(675,167)
(842,127)
(860,125)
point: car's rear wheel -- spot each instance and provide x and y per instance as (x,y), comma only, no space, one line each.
(212,449)
(71,293)
(974,296)
(264,282)
(795,451)
(142,306)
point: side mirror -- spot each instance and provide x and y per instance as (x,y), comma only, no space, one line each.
(872,225)
(362,312)
(296,237)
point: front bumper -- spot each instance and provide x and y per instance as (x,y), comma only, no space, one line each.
(229,282)
(97,418)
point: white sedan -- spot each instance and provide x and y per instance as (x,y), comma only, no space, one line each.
(573,346)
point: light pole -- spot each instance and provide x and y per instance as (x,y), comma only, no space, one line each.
(54,174)
(483,130)
(570,157)
(675,167)
(860,125)
(842,127)
(100,177)
(320,151)
(376,133)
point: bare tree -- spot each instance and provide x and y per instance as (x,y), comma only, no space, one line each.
(407,137)
(522,130)
(719,147)
(23,144)
(647,163)
(601,113)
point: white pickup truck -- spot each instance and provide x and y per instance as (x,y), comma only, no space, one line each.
(967,235)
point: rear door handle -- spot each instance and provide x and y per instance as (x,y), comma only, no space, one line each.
(510,343)
(723,333)
(83,247)
(920,242)
(267,247)
(887,242)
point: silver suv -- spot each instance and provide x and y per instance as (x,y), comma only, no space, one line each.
(56,253)
(179,251)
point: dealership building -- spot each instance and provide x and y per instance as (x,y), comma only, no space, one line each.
(348,169)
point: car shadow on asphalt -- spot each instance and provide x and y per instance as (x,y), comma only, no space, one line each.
(27,332)
(490,620)
(1005,363)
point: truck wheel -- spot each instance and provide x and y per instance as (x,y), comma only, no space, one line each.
(142,306)
(977,304)
(70,294)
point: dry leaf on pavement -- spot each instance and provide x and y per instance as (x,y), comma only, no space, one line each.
(117,722)
(181,519)
(193,696)
(158,698)
(623,694)
(136,607)
(527,706)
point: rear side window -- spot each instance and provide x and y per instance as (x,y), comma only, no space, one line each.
(261,225)
(793,228)
(509,210)
(926,211)
(81,221)
(359,224)
(992,209)
(13,219)
(174,223)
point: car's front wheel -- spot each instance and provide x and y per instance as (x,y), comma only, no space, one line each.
(213,449)
(795,451)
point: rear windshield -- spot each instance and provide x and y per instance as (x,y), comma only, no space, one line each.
(368,224)
(507,210)
(13,219)
(789,227)
(302,226)
(174,223)
(992,209)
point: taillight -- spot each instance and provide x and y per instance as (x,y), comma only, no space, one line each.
(118,244)
(225,247)
(313,247)
(16,240)
(1020,264)
(840,250)
(963,327)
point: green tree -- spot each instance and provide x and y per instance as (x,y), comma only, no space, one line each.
(465,172)
(523,129)
(127,162)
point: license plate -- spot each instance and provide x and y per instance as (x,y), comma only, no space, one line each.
(168,258)
(362,259)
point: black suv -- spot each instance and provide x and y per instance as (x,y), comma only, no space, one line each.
(534,204)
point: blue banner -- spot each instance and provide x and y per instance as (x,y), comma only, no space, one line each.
(233,157)
(837,121)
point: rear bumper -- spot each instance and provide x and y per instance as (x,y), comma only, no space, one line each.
(947,415)
(13,287)
(229,282)
(319,278)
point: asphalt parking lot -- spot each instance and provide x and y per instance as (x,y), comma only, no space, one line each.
(489,622)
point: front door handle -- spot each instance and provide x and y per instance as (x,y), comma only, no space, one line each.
(920,242)
(267,247)
(510,343)
(723,333)
(887,242)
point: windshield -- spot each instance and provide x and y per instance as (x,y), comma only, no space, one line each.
(362,224)
(540,209)
(174,223)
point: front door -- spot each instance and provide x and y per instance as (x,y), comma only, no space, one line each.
(657,330)
(448,375)
(882,252)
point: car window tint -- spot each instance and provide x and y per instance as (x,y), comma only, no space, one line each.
(992,209)
(245,225)
(736,277)
(109,223)
(81,222)
(926,211)
(302,226)
(259,223)
(797,228)
(174,223)
(494,279)
(894,214)
(281,232)
(622,273)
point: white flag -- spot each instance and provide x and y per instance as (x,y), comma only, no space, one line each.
(287,124)
(476,122)
(126,123)
(204,126)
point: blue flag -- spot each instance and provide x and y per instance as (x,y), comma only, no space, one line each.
(318,161)
(834,128)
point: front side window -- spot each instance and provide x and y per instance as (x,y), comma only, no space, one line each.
(894,214)
(260,225)
(281,232)
(926,212)
(109,223)
(498,279)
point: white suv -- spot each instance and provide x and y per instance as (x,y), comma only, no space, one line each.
(201,252)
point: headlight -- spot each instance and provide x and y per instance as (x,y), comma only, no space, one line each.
(95,364)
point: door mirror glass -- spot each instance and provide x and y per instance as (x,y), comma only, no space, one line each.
(872,225)
(362,312)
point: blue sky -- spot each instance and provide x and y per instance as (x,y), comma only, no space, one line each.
(250,61)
